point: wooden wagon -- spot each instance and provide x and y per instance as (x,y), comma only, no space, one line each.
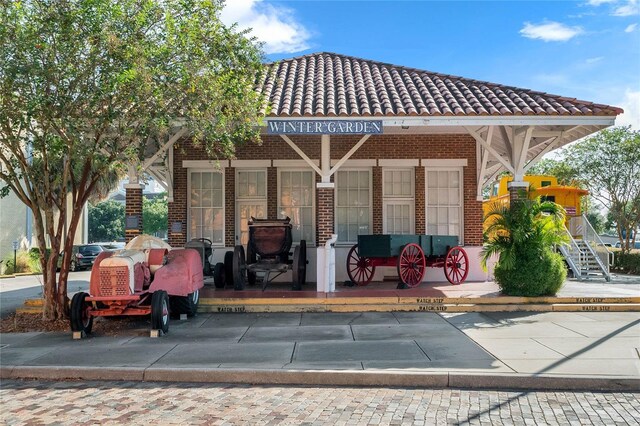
(410,254)
(268,253)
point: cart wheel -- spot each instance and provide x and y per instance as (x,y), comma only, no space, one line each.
(239,268)
(81,319)
(411,265)
(228,268)
(359,269)
(160,311)
(251,258)
(299,266)
(219,275)
(456,265)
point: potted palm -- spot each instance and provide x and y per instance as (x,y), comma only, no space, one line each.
(524,237)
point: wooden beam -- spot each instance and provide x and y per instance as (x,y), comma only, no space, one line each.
(522,151)
(301,154)
(542,153)
(173,139)
(495,153)
(348,154)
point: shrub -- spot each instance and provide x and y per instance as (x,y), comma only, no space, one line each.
(534,276)
(26,262)
(524,237)
(627,262)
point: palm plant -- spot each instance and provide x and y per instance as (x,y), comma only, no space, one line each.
(524,236)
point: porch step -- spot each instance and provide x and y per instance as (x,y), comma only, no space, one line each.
(421,304)
(403,304)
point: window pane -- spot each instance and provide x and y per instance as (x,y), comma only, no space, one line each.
(352,204)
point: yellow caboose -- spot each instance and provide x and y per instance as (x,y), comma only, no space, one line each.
(545,187)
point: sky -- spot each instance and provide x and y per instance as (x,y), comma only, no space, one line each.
(587,49)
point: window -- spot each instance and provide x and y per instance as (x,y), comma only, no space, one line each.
(251,200)
(546,183)
(353,204)
(398,201)
(206,206)
(444,201)
(296,199)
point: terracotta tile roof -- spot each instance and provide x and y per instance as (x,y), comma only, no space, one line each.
(332,85)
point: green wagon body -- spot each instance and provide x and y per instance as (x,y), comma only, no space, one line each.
(387,245)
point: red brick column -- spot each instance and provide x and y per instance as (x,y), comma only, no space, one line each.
(324,217)
(517,191)
(376,177)
(272,192)
(133,207)
(420,212)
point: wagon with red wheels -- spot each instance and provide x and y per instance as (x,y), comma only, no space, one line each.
(410,255)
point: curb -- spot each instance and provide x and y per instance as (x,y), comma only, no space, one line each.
(389,378)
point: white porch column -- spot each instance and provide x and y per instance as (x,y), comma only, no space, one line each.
(325,237)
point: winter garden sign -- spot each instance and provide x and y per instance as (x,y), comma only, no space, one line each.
(324,127)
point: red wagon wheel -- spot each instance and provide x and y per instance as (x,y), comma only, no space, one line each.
(456,265)
(411,265)
(359,269)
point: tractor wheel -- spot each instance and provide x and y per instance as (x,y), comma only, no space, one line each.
(160,311)
(299,266)
(185,304)
(228,268)
(81,319)
(219,275)
(239,268)
(251,258)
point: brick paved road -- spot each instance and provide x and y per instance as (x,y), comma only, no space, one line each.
(169,403)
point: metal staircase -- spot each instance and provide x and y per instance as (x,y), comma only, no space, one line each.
(586,254)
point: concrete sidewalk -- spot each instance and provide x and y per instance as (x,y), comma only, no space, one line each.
(594,351)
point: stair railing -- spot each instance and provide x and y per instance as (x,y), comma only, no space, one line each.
(573,255)
(602,254)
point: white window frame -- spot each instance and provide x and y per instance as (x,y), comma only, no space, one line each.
(314,227)
(257,199)
(335,198)
(460,195)
(224,204)
(395,199)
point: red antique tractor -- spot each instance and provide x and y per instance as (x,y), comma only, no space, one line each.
(140,282)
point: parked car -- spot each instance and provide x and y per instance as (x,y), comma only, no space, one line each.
(635,246)
(84,255)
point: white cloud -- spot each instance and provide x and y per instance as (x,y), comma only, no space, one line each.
(631,28)
(629,9)
(599,2)
(631,106)
(550,31)
(276,26)
(594,60)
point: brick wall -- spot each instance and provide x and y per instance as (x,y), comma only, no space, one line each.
(229,206)
(451,146)
(133,207)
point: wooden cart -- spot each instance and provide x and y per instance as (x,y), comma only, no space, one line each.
(268,252)
(410,254)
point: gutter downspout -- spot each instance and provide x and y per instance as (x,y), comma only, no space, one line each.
(330,263)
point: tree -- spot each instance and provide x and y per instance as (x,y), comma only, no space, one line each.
(106,221)
(524,235)
(86,86)
(609,165)
(155,214)
(561,169)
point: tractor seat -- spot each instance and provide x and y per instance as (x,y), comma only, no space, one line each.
(155,259)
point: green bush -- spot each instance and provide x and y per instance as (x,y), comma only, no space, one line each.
(627,262)
(26,262)
(541,275)
(523,237)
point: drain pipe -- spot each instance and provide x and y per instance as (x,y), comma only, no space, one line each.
(329,263)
